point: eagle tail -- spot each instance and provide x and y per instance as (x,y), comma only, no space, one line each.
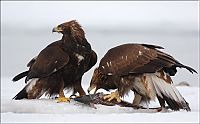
(169,59)
(187,67)
(31,90)
(168,92)
(20,76)
(21,95)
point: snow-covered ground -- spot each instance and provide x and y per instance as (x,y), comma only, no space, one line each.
(172,25)
(47,110)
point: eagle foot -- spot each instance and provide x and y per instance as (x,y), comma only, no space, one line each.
(162,109)
(138,107)
(113,95)
(63,99)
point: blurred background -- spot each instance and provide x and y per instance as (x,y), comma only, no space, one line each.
(26,29)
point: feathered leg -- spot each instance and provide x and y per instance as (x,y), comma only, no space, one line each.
(78,88)
(62,97)
(137,99)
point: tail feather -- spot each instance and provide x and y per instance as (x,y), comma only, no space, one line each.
(189,69)
(21,95)
(174,105)
(168,58)
(19,76)
(170,94)
(31,91)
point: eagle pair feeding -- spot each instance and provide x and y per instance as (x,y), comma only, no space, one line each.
(141,68)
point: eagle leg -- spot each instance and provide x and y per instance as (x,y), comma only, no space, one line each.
(62,97)
(113,95)
(137,99)
(78,88)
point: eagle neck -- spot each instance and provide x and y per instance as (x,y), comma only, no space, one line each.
(68,43)
(71,42)
(67,39)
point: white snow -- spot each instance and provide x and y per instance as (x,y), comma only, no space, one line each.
(47,110)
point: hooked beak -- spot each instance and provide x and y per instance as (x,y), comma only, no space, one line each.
(92,89)
(57,29)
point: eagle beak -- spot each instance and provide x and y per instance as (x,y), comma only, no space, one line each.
(57,29)
(92,90)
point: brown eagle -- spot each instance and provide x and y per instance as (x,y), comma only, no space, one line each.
(60,65)
(143,69)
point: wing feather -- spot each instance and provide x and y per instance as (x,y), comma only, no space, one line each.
(50,60)
(93,60)
(31,62)
(135,58)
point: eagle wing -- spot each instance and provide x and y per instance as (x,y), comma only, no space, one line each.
(135,58)
(50,60)
(93,60)
(31,62)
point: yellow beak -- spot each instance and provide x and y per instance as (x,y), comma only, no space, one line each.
(57,29)
(92,89)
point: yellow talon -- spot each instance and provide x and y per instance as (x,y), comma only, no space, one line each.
(114,95)
(63,99)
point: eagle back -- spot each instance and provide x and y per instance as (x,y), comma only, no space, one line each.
(50,60)
(134,58)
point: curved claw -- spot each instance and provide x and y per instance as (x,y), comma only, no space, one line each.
(63,99)
(114,95)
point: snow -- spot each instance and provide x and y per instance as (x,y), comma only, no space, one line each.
(173,25)
(47,110)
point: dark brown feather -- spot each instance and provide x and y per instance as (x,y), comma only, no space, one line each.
(61,64)
(137,58)
(143,69)
(50,60)
(130,58)
(31,62)
(92,61)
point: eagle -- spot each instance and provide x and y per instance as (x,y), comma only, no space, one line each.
(143,69)
(59,66)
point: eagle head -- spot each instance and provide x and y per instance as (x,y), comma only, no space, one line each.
(96,81)
(70,28)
